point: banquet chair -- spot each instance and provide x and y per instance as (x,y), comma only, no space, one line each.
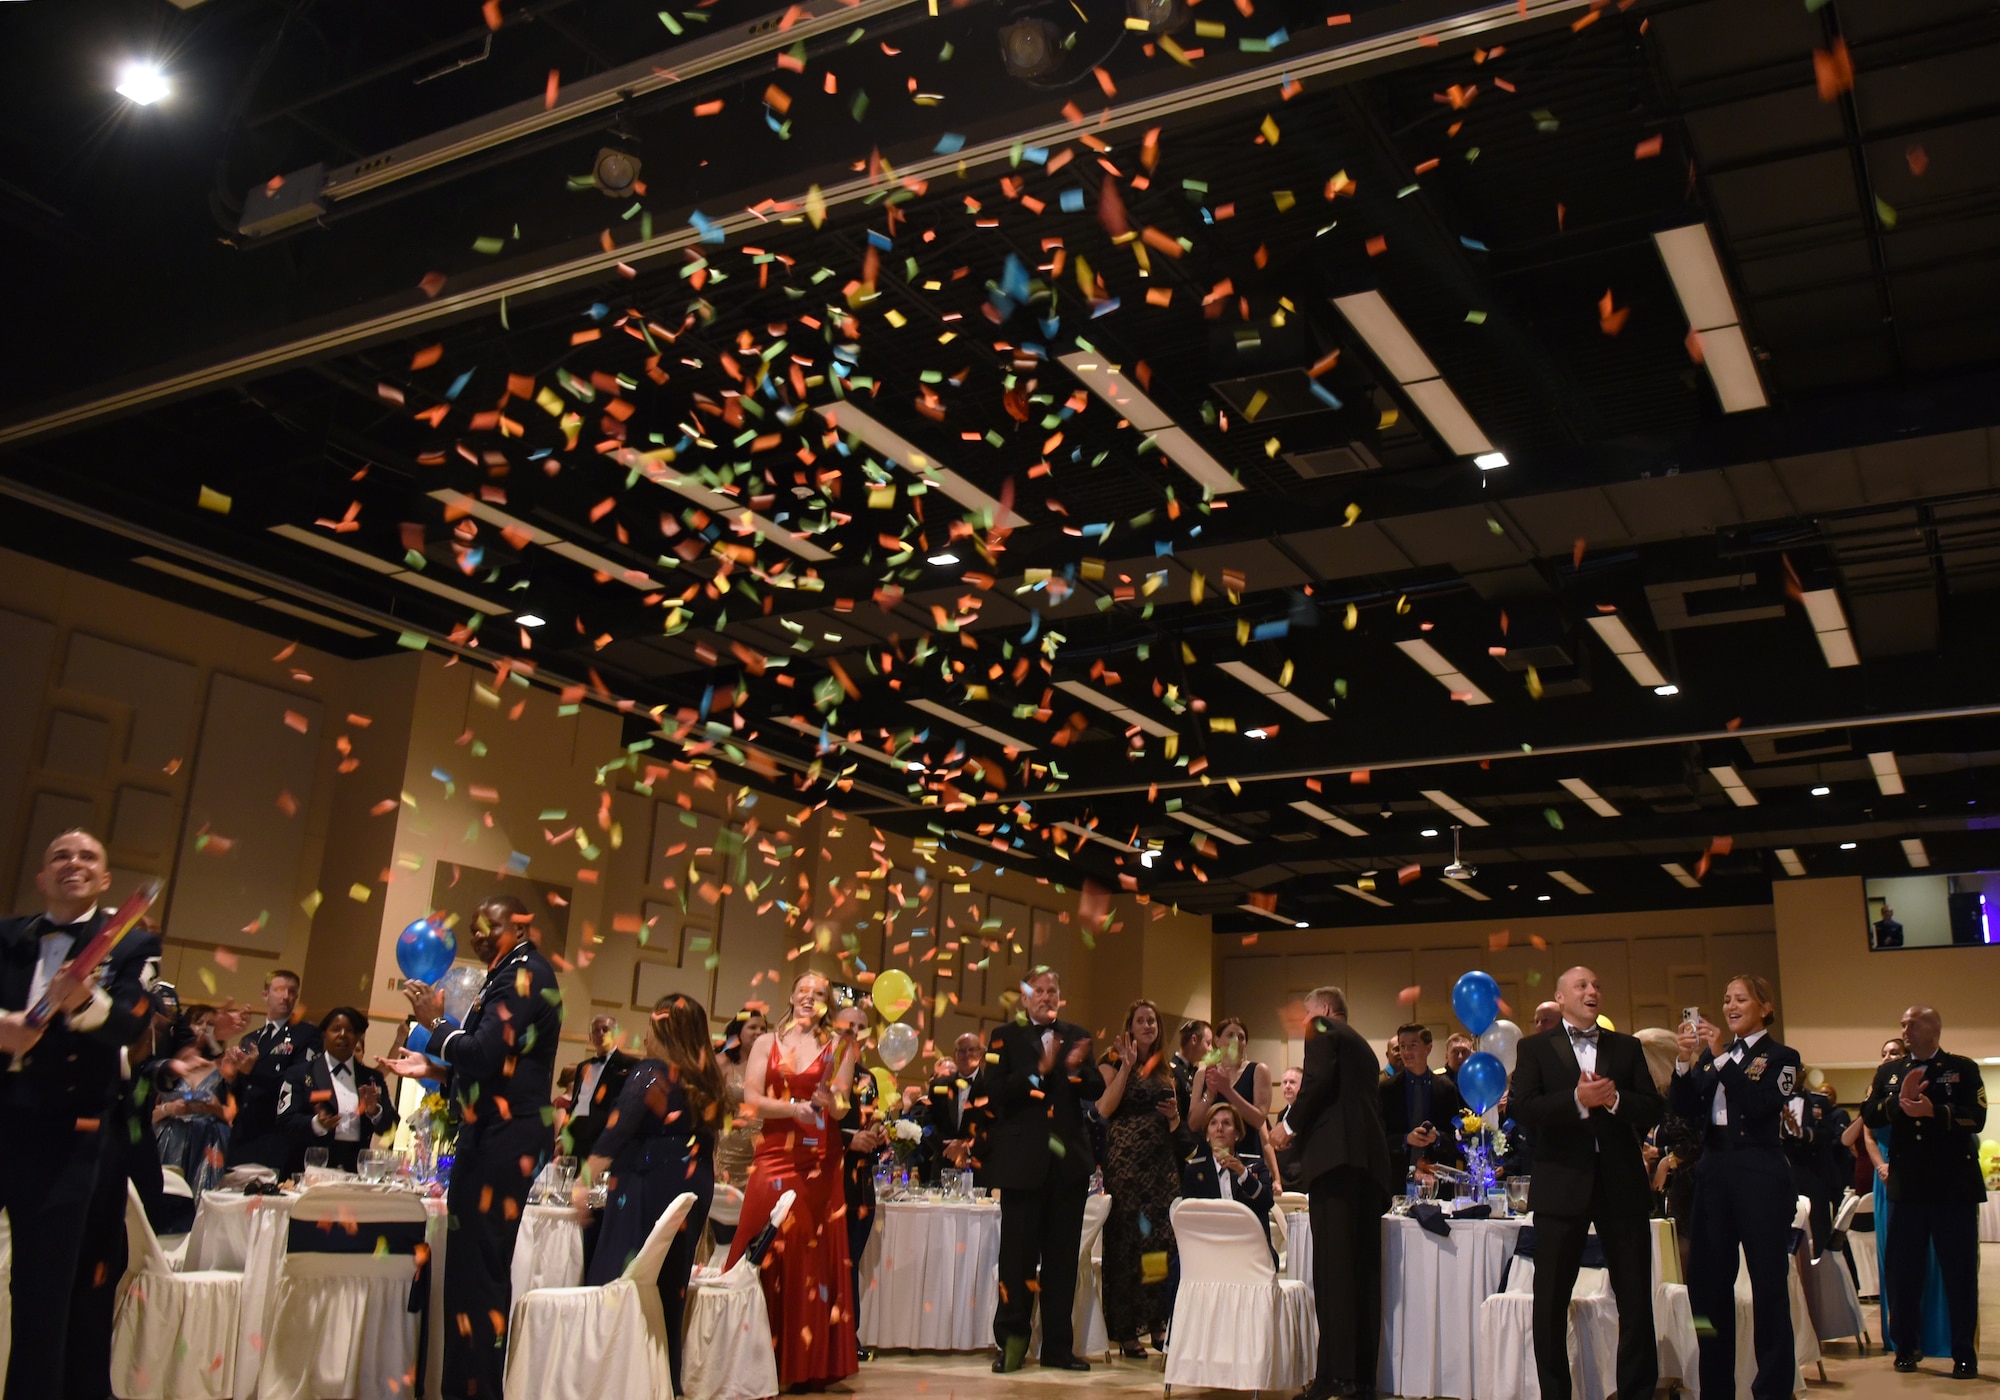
(726,1351)
(1503,1361)
(1236,1325)
(175,1334)
(603,1343)
(724,1210)
(1832,1300)
(172,1183)
(1805,1343)
(1673,1322)
(1087,1308)
(354,1280)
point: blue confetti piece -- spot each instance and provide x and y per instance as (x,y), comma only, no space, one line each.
(458,384)
(1104,308)
(1473,244)
(598,311)
(1038,154)
(1325,395)
(949,144)
(517,863)
(1071,201)
(1278,38)
(709,229)
(1034,626)
(441,775)
(879,240)
(1266,631)
(1161,547)
(1014,278)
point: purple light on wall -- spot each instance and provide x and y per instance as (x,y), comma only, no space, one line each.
(1986,918)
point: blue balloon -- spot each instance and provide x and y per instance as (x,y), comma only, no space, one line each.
(1482,1080)
(425,949)
(1476,1000)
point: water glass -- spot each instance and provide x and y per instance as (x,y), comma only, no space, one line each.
(1399,1205)
(315,1158)
(949,1178)
(884,1179)
(374,1164)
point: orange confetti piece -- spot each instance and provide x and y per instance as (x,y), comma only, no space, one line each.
(554,87)
(427,357)
(708,109)
(1408,996)
(1918,159)
(1648,148)
(1833,71)
(1610,320)
(1377,246)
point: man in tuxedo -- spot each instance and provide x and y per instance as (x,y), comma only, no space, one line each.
(58,1092)
(1589,1098)
(598,1080)
(1419,1108)
(333,1100)
(500,1065)
(1337,1119)
(1038,1076)
(280,1048)
(1888,933)
(959,1112)
(1289,1166)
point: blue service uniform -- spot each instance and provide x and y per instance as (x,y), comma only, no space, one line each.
(1743,1197)
(1937,1188)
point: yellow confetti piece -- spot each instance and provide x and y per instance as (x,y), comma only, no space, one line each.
(311,903)
(1352,618)
(214,500)
(1270,130)
(1284,199)
(359,893)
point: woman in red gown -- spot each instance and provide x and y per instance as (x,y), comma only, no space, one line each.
(796,1081)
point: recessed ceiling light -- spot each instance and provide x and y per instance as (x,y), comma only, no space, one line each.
(1733,785)
(1428,831)
(1689,254)
(1447,675)
(1457,809)
(1680,873)
(1829,623)
(1915,854)
(1543,898)
(944,559)
(1301,924)
(1404,358)
(850,420)
(1789,858)
(1569,882)
(1334,820)
(1590,797)
(1666,690)
(1613,632)
(1272,691)
(143,83)
(530,620)
(1822,792)
(1487,461)
(1847,845)
(1113,707)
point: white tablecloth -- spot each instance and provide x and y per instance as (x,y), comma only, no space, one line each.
(927,1276)
(548,1253)
(1989,1219)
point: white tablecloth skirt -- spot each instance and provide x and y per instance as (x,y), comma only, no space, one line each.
(548,1253)
(927,1276)
(1989,1219)
(1431,1291)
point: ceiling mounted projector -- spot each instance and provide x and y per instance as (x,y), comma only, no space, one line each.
(1458,869)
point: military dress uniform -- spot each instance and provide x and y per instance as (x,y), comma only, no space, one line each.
(1937,1188)
(502,1068)
(1743,1197)
(254,1133)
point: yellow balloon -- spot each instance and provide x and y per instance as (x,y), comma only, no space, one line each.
(885,1085)
(894,993)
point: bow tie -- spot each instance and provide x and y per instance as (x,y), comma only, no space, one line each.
(1576,1034)
(342,1067)
(1737,1047)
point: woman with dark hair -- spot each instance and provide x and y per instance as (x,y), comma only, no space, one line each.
(1742,1090)
(738,1128)
(796,1084)
(191,1115)
(1142,1175)
(1237,1080)
(332,1099)
(658,1141)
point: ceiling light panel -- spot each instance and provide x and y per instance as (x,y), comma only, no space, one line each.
(1450,677)
(1612,631)
(1689,254)
(898,449)
(1112,707)
(1915,854)
(1888,776)
(1569,882)
(1086,834)
(1105,380)
(1457,809)
(836,742)
(1680,873)
(1405,360)
(1588,795)
(1269,688)
(1789,859)
(1733,784)
(1271,914)
(1186,818)
(1465,888)
(1320,814)
(382,566)
(972,726)
(1362,894)
(728,507)
(1829,622)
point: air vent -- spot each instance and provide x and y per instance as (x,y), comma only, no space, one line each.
(1334,461)
(1286,394)
(1542,658)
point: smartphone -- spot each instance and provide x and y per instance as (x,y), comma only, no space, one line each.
(1691,1016)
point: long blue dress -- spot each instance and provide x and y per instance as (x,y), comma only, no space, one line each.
(658,1149)
(1936,1330)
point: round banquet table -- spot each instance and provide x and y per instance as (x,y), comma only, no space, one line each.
(1989,1219)
(928,1280)
(548,1253)
(1431,1291)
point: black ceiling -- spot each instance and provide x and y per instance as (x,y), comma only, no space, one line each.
(159,352)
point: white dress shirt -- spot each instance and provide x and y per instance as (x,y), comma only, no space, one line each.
(1586,1063)
(586,1087)
(346,1101)
(57,947)
(1225,1181)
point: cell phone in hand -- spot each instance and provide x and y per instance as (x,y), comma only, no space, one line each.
(1691,1016)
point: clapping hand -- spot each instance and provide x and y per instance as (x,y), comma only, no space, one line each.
(407,1063)
(1217,1079)
(368,1100)
(1125,1050)
(1595,1091)
(426,1001)
(1079,1051)
(1911,1098)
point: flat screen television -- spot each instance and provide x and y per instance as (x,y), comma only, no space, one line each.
(1933,911)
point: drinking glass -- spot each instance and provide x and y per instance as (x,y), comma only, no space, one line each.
(1517,1194)
(315,1158)
(1399,1205)
(374,1164)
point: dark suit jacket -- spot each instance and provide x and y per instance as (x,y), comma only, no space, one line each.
(584,1131)
(1445,1108)
(75,1073)
(1571,1150)
(1934,1158)
(1337,1113)
(1027,1110)
(1888,934)
(307,1088)
(254,1134)
(503,1062)
(1755,1091)
(1199,1183)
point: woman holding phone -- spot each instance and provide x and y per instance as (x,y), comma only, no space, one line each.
(1741,1089)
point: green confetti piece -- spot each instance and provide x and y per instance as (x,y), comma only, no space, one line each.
(860,107)
(410,641)
(1477,318)
(488,245)
(1885,212)
(673,25)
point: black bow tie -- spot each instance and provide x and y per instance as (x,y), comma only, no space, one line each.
(1737,1047)
(1576,1034)
(342,1067)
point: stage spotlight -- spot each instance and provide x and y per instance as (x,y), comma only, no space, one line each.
(1031,48)
(617,172)
(142,84)
(1158,16)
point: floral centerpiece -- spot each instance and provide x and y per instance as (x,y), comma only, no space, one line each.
(905,1136)
(1485,1148)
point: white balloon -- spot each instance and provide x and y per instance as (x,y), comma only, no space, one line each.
(898,1045)
(1501,1041)
(458,987)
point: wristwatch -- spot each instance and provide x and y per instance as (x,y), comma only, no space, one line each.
(438,1023)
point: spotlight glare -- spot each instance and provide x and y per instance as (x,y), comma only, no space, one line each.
(942,559)
(1031,48)
(1488,461)
(143,84)
(1156,16)
(1301,924)
(1847,845)
(1822,792)
(1666,690)
(1428,831)
(530,620)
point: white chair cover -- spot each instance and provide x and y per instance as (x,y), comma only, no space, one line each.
(341,1325)
(174,1334)
(1867,1264)
(548,1253)
(1504,1356)
(6,1290)
(1680,1348)
(727,1206)
(607,1343)
(1237,1325)
(1087,1308)
(726,1351)
(1805,1344)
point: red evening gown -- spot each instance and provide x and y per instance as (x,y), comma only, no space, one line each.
(807,1290)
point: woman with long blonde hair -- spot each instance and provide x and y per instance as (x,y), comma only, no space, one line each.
(658,1141)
